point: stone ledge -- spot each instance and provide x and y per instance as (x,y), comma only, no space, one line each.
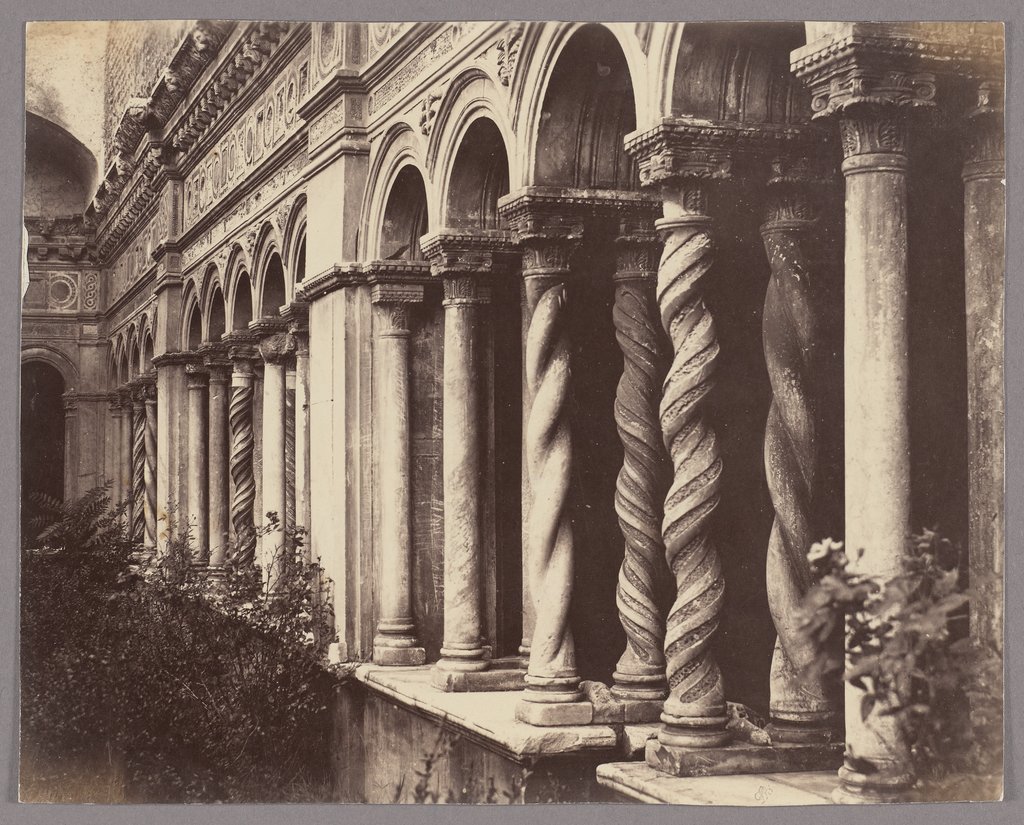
(489,716)
(640,782)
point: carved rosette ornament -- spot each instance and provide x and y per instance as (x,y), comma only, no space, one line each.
(548,237)
(802,709)
(646,471)
(243,483)
(685,161)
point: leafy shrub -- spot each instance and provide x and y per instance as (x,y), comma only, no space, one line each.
(908,650)
(200,696)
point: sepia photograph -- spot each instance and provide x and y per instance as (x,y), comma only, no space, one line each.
(512,412)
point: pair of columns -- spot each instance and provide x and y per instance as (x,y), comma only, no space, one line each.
(138,459)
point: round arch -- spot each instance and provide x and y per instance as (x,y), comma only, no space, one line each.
(43,430)
(544,53)
(400,150)
(56,359)
(294,251)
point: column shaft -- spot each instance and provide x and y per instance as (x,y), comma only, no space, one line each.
(984,271)
(138,530)
(463,483)
(218,492)
(395,642)
(243,484)
(273,469)
(149,470)
(198,466)
(302,444)
(877,433)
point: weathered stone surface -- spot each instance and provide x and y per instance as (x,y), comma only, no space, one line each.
(638,781)
(495,678)
(742,758)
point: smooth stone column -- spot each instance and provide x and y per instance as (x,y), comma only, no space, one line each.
(198,466)
(126,436)
(302,440)
(218,477)
(984,270)
(274,350)
(70,401)
(876,369)
(395,642)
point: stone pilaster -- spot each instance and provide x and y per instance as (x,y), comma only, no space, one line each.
(465,262)
(640,489)
(686,159)
(396,641)
(198,463)
(802,709)
(870,86)
(984,173)
(548,233)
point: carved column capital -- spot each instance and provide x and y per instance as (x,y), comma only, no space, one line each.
(277,348)
(984,132)
(796,190)
(196,376)
(637,250)
(466,260)
(395,286)
(548,225)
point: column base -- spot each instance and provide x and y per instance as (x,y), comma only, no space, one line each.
(554,714)
(390,652)
(501,674)
(803,733)
(612,706)
(742,758)
(887,785)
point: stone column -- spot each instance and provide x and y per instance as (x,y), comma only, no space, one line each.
(127,438)
(529,619)
(685,158)
(639,677)
(802,709)
(297,314)
(113,446)
(218,477)
(198,465)
(138,530)
(984,266)
(465,262)
(548,232)
(396,642)
(149,467)
(243,484)
(289,445)
(871,98)
(275,350)
(70,401)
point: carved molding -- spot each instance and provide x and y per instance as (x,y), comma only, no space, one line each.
(453,252)
(508,53)
(985,133)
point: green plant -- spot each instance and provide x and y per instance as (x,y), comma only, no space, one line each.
(908,651)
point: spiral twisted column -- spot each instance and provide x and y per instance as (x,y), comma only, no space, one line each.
(138,522)
(149,467)
(646,471)
(548,233)
(396,642)
(685,158)
(243,483)
(803,708)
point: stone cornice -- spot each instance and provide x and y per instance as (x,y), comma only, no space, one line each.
(174,359)
(335,277)
(894,64)
(686,147)
(460,253)
(397,282)
(268,326)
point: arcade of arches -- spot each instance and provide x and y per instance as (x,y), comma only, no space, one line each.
(563,342)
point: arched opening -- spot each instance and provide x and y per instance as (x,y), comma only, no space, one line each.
(405,217)
(42,438)
(147,353)
(300,261)
(273,288)
(740,72)
(588,109)
(216,323)
(241,313)
(479,178)
(195,328)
